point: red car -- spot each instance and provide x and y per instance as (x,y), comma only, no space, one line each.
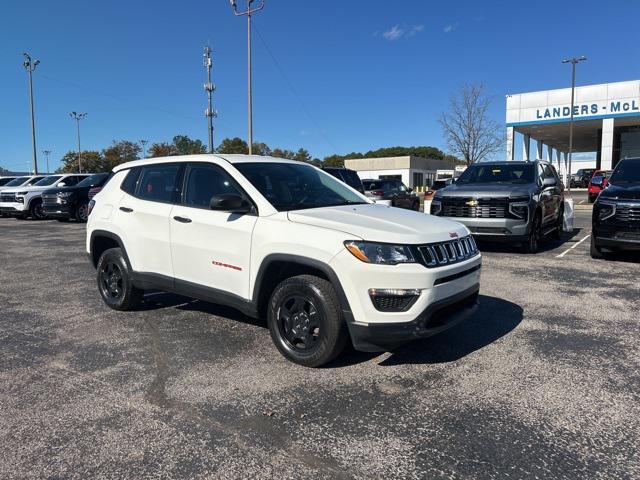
(599,181)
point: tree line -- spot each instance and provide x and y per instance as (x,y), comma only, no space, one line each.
(122,151)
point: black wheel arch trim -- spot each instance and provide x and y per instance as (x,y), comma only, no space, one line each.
(111,236)
(305,262)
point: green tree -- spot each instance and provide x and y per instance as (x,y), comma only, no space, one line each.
(3,170)
(121,152)
(91,160)
(260,148)
(233,145)
(334,161)
(162,149)
(279,153)
(302,155)
(186,146)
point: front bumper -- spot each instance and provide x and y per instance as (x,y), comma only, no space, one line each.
(13,209)
(437,317)
(495,229)
(56,210)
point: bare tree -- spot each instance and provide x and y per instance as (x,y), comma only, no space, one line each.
(469,131)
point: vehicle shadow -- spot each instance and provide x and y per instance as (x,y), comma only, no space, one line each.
(547,244)
(494,319)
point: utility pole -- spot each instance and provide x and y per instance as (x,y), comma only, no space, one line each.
(144,147)
(46,154)
(248,12)
(209,87)
(573,61)
(77,117)
(30,67)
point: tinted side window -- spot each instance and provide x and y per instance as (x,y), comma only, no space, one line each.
(131,181)
(548,173)
(158,183)
(352,179)
(204,181)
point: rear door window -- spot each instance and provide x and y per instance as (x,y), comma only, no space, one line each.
(159,183)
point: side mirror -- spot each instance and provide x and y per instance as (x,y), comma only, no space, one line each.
(549,182)
(230,202)
(62,184)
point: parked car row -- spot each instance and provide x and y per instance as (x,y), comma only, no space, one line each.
(60,196)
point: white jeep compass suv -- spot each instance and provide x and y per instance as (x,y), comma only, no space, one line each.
(283,240)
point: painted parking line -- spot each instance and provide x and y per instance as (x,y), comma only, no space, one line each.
(572,247)
(581,202)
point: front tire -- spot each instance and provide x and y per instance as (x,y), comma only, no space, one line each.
(35,210)
(594,250)
(305,320)
(532,245)
(114,281)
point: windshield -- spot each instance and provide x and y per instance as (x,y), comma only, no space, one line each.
(515,174)
(627,171)
(94,180)
(4,181)
(16,182)
(289,186)
(50,180)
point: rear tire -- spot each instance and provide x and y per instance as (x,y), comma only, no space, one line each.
(305,320)
(557,233)
(82,212)
(416,206)
(115,283)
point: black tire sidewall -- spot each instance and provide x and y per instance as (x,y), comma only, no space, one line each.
(132,296)
(33,208)
(77,216)
(331,339)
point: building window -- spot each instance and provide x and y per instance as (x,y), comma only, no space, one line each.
(418,179)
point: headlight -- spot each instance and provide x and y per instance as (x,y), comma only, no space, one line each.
(436,205)
(606,210)
(519,207)
(380,253)
(21,193)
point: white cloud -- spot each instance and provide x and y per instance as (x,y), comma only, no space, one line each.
(450,27)
(394,33)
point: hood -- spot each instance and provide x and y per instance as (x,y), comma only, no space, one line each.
(381,223)
(488,190)
(30,188)
(55,191)
(628,191)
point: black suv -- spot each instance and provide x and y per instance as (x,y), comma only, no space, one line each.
(616,213)
(350,177)
(72,202)
(391,192)
(506,201)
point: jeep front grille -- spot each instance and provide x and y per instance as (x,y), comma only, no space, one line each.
(468,207)
(446,253)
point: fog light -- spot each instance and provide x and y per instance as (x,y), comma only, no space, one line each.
(393,299)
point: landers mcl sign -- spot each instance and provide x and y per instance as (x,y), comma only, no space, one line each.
(590,109)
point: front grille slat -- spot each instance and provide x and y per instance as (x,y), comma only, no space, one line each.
(449,252)
(628,214)
(8,197)
(468,207)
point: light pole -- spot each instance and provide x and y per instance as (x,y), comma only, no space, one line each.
(144,147)
(248,12)
(46,154)
(30,67)
(209,87)
(77,117)
(573,61)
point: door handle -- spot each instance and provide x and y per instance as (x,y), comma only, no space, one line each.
(182,219)
(126,209)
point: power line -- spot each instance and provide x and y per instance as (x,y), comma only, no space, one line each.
(293,90)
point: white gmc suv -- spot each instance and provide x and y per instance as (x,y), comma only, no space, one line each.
(283,240)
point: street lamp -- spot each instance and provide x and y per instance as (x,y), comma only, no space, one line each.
(46,154)
(248,12)
(30,67)
(573,61)
(144,147)
(77,117)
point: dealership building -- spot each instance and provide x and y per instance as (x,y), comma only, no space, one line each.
(413,171)
(606,123)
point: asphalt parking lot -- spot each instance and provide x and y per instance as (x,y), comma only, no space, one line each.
(543,383)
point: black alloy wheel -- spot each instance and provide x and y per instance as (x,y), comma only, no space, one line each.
(82,212)
(36,211)
(114,281)
(532,244)
(299,322)
(305,320)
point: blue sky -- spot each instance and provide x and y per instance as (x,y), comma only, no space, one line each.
(357,75)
